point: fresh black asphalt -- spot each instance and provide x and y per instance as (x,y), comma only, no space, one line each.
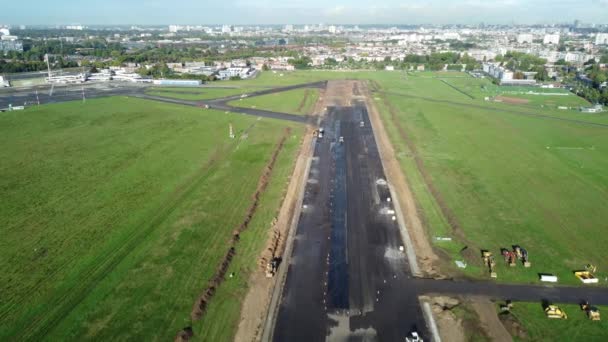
(347,279)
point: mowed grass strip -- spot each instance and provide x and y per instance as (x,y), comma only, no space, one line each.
(508,179)
(577,327)
(116,212)
(297,101)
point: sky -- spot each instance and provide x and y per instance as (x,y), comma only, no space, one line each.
(242,12)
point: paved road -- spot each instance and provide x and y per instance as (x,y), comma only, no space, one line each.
(347,279)
(523,292)
(62,93)
(47,94)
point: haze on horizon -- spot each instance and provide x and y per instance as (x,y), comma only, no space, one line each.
(242,12)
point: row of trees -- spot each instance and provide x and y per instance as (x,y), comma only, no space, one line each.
(434,61)
(28,66)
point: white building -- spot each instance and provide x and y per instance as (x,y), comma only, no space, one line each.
(174,28)
(75,27)
(332,29)
(226,29)
(601,39)
(5,31)
(288,28)
(525,38)
(233,72)
(3,82)
(551,39)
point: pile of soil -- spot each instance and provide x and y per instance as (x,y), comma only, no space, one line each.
(510,100)
(513,326)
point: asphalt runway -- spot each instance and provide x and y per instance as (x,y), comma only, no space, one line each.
(347,280)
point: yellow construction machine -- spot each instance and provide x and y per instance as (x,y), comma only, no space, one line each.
(553,311)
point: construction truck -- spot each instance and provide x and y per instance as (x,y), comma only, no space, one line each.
(414,337)
(593,313)
(553,311)
(271,267)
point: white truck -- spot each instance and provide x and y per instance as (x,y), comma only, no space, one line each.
(414,337)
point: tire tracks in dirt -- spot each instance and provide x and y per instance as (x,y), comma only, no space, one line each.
(303,101)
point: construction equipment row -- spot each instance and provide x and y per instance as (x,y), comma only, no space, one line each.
(511,257)
(554,311)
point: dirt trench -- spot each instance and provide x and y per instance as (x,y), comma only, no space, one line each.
(200,305)
(303,101)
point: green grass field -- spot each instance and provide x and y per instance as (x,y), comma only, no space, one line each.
(296,101)
(116,212)
(505,179)
(576,328)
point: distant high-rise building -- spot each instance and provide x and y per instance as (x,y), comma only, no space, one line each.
(525,38)
(5,31)
(226,29)
(551,39)
(332,29)
(288,28)
(601,39)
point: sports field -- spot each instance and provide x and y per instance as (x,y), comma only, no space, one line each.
(116,213)
(534,97)
(296,101)
(490,178)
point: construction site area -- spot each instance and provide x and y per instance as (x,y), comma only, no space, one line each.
(380,210)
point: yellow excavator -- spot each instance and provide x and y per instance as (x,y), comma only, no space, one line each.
(553,311)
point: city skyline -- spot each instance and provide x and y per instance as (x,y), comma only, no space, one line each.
(259,12)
